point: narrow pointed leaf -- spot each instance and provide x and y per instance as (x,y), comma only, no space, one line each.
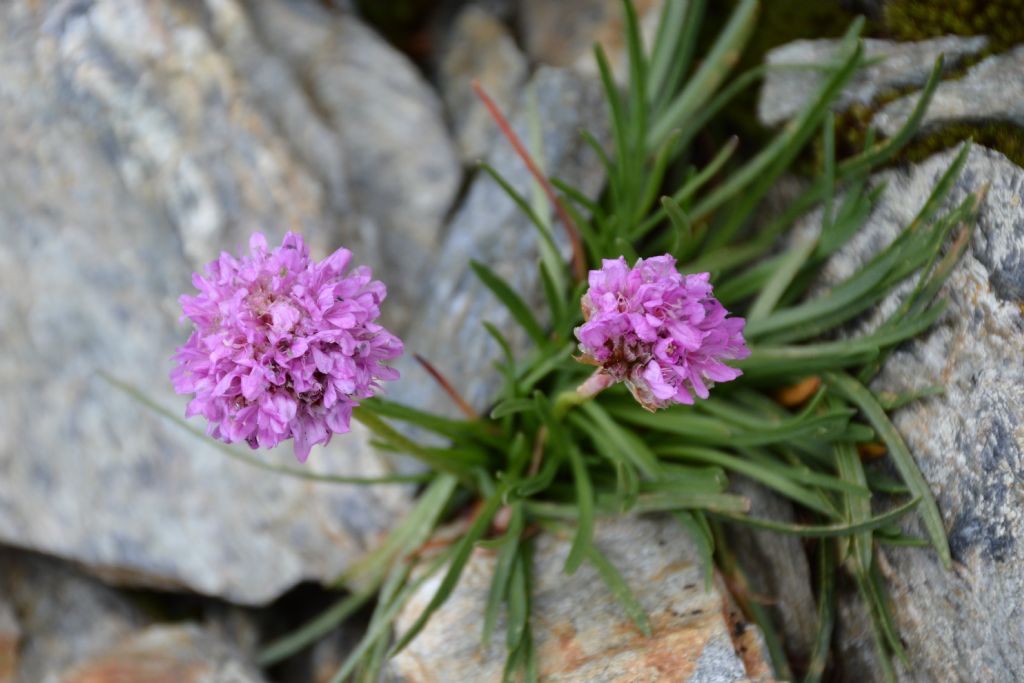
(620,589)
(857,394)
(516,306)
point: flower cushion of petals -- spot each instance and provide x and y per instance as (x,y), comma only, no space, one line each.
(660,332)
(283,346)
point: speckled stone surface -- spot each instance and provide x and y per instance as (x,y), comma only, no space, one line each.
(991,90)
(963,624)
(794,81)
(165,108)
(580,631)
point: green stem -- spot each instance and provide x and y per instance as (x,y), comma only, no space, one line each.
(241,456)
(569,399)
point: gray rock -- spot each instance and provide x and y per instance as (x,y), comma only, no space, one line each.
(797,75)
(777,568)
(72,629)
(490,228)
(269,79)
(100,232)
(964,624)
(478,48)
(563,33)
(167,654)
(579,629)
(992,90)
(63,618)
(403,169)
(172,117)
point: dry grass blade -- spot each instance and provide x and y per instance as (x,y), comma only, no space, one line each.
(452,392)
(579,259)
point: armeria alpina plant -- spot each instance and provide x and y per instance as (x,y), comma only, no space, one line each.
(284,348)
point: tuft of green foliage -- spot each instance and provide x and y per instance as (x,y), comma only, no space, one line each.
(907,20)
(556,463)
(1001,20)
(543,458)
(1004,137)
(854,125)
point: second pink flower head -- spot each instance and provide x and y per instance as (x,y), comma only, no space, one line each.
(660,332)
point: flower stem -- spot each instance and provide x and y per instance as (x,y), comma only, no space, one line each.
(595,384)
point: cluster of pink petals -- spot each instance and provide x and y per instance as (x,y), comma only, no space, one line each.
(660,332)
(283,346)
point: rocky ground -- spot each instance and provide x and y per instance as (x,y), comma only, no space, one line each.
(140,138)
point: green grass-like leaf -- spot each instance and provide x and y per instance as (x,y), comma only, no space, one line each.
(512,301)
(460,557)
(317,628)
(714,68)
(826,613)
(826,530)
(620,589)
(857,394)
(585,508)
(412,532)
(511,406)
(385,614)
(253,461)
(857,509)
(628,445)
(772,479)
(507,558)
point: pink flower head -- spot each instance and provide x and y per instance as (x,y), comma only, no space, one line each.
(283,347)
(660,332)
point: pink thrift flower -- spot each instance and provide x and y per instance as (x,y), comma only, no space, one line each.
(660,332)
(283,347)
